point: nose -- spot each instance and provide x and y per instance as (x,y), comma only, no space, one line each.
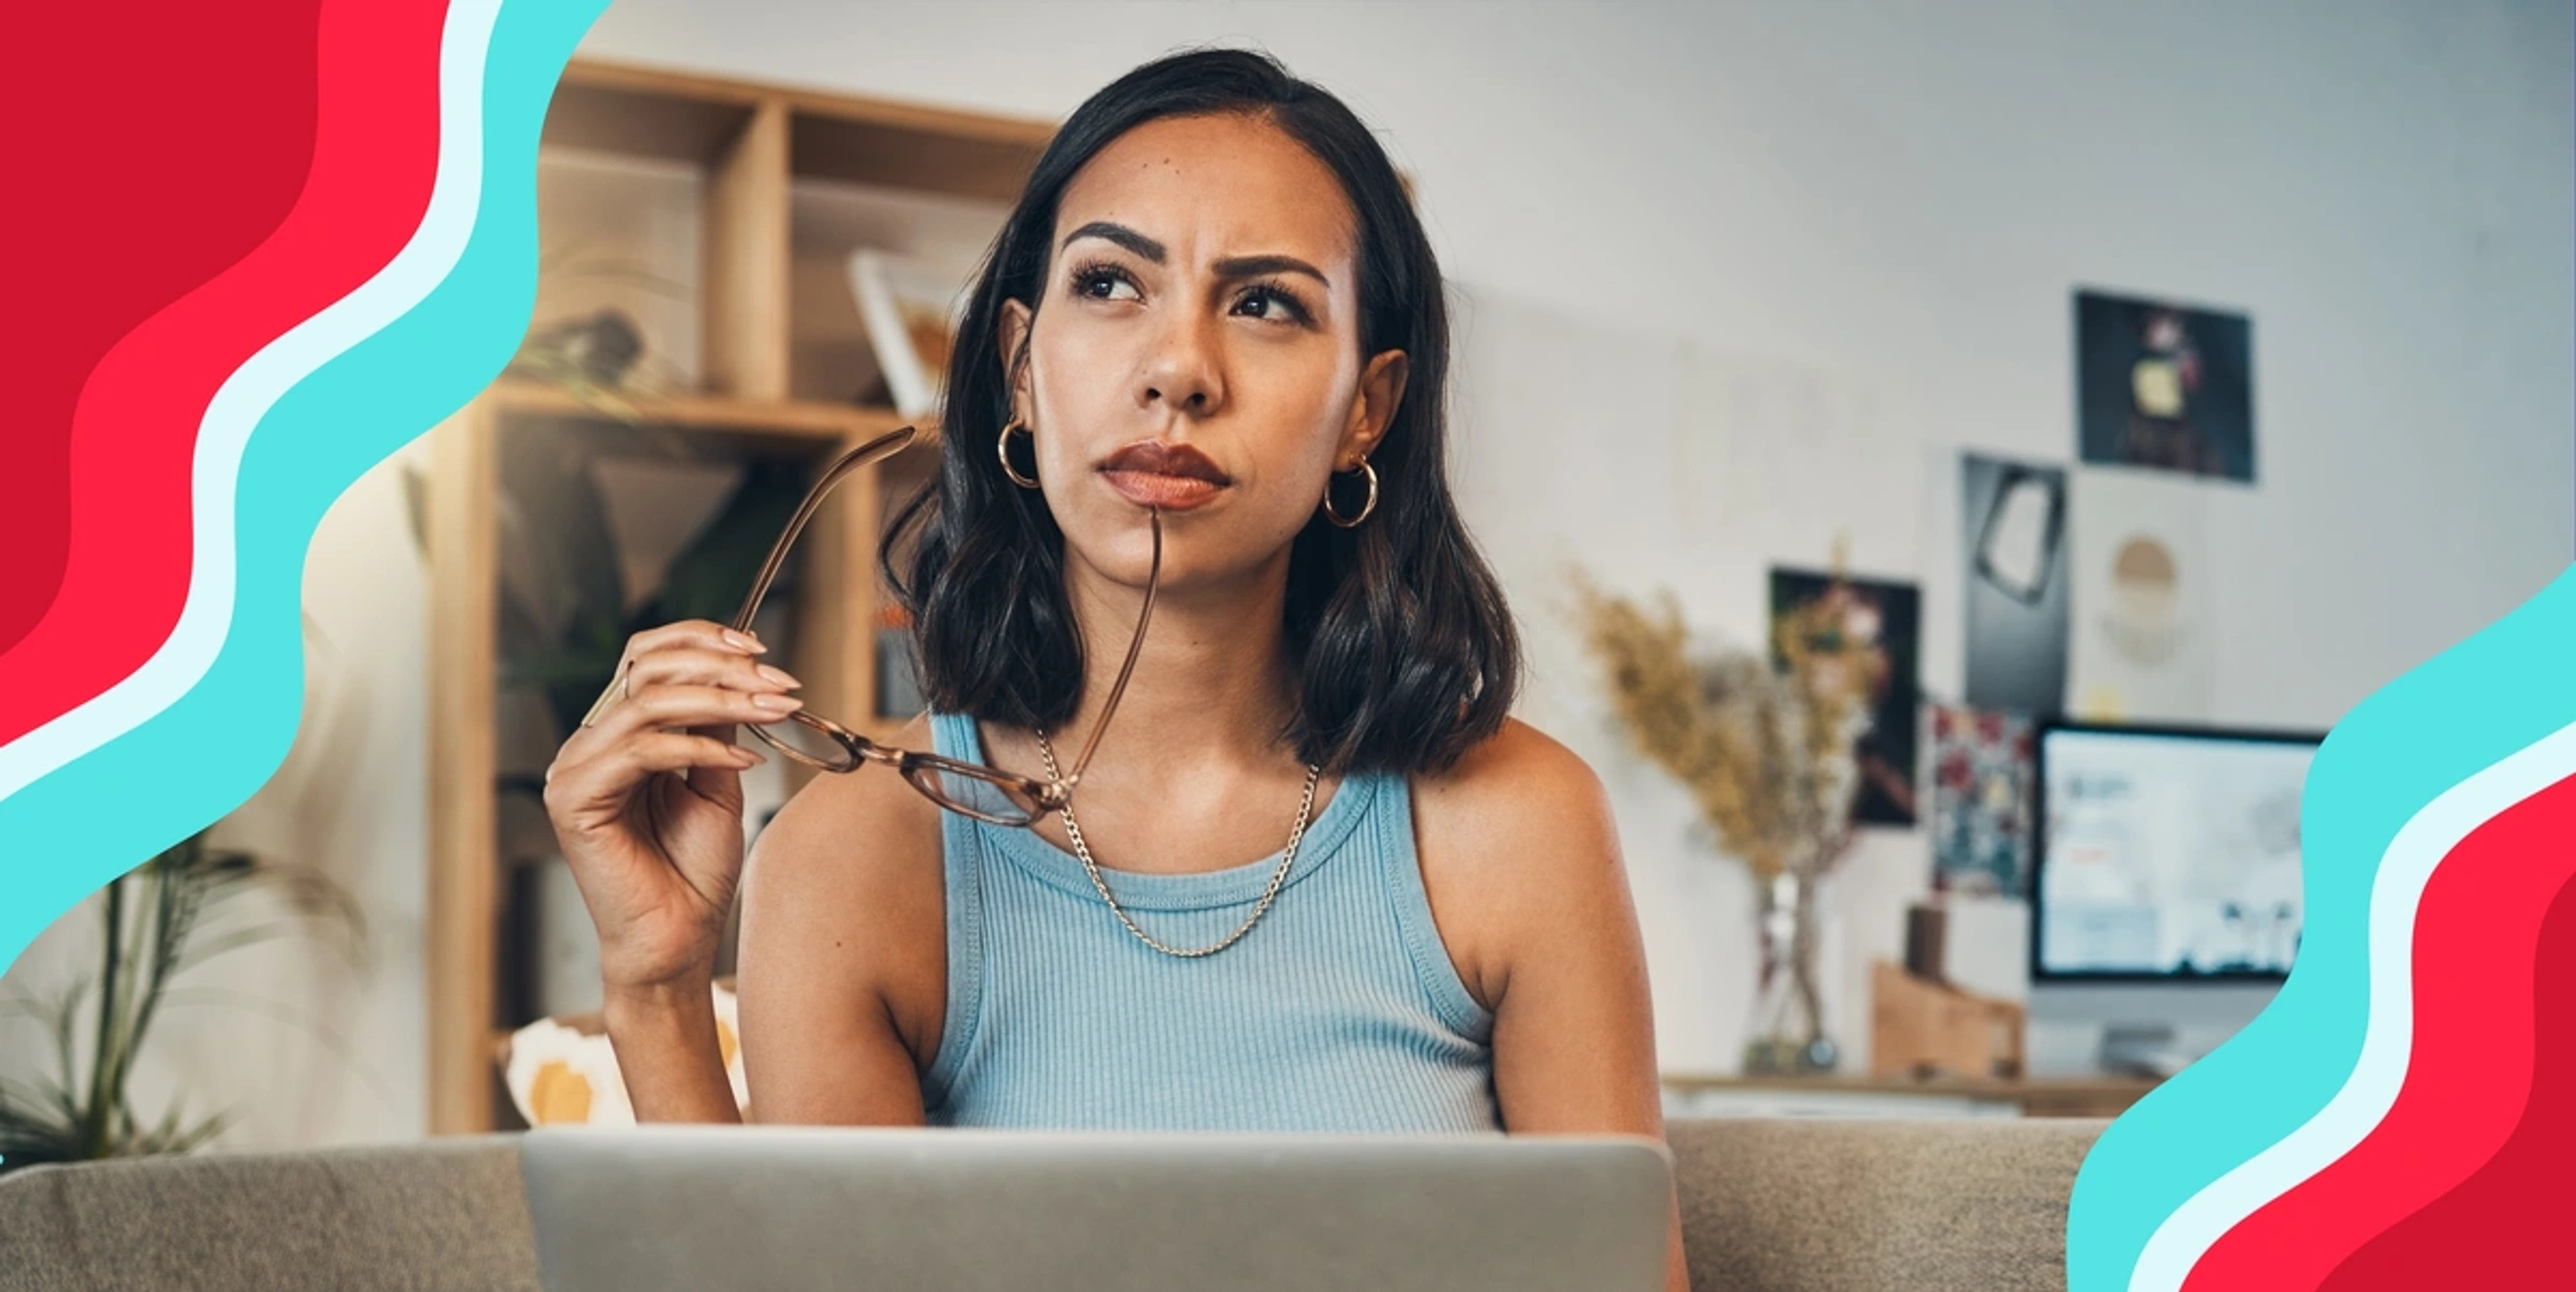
(1185,369)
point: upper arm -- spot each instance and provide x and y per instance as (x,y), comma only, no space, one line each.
(1574,1027)
(1522,861)
(842,953)
(1551,934)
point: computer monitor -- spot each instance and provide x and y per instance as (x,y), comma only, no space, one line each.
(2165,893)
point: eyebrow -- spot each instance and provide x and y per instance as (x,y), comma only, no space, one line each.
(1231,267)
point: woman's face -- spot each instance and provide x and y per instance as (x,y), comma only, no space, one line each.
(1197,348)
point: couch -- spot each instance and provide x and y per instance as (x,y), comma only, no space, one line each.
(1768,1205)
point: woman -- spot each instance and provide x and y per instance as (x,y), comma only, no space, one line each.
(1317,879)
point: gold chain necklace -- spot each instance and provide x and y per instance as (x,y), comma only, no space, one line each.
(1305,811)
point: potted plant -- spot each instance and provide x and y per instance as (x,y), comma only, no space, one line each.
(160,921)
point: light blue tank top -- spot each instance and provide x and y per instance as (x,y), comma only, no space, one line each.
(1339,1011)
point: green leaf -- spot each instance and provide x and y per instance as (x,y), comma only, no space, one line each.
(86,1110)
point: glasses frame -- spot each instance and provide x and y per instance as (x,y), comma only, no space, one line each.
(920,768)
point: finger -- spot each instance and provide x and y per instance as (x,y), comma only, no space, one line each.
(721,784)
(703,633)
(675,751)
(699,666)
(712,712)
(593,790)
(662,707)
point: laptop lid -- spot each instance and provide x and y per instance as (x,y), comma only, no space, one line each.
(650,1208)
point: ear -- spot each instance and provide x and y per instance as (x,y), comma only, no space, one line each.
(1013,332)
(1373,410)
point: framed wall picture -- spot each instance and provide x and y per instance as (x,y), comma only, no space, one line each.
(2140,602)
(1886,619)
(2164,386)
(1981,768)
(2014,519)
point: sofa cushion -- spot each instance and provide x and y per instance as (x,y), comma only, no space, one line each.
(427,1217)
(1813,1205)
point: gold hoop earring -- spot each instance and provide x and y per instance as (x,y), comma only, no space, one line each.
(1365,508)
(1003,450)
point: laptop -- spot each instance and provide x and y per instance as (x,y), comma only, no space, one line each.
(780,1208)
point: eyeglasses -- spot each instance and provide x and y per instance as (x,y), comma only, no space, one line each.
(971,789)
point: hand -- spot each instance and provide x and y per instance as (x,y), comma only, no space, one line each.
(647,800)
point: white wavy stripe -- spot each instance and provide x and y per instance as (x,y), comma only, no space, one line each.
(254,388)
(2366,1095)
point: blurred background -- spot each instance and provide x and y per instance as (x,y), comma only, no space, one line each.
(2233,342)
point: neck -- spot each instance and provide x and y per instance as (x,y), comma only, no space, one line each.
(1210,687)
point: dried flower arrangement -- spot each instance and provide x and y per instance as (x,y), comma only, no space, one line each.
(1766,751)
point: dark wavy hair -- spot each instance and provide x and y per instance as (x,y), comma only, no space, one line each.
(1403,649)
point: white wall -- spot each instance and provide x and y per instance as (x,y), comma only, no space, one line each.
(1736,278)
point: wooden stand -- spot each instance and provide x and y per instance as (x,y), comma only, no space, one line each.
(1920,1027)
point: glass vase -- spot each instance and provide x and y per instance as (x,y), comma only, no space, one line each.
(1787,1029)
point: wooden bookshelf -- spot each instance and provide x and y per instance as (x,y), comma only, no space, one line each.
(804,420)
(776,173)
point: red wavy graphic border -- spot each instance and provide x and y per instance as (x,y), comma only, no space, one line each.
(372,66)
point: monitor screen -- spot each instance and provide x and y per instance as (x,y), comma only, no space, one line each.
(2167,854)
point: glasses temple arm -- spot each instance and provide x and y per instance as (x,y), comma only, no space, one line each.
(840,469)
(1153,581)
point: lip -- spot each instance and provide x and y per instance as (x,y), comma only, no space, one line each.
(1153,457)
(1172,477)
(1164,492)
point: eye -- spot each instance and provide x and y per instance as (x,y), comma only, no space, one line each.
(1101,282)
(1283,304)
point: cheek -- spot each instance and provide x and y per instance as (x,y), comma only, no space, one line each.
(1313,375)
(1078,375)
(1290,490)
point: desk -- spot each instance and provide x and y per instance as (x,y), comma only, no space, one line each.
(1705,1095)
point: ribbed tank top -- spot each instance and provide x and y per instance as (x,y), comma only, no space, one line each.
(1339,1011)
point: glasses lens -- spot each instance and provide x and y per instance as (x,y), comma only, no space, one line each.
(1000,803)
(808,739)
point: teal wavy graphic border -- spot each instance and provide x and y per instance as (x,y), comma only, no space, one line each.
(190,764)
(2434,727)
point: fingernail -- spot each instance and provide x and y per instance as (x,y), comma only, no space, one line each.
(777,676)
(777,703)
(744,642)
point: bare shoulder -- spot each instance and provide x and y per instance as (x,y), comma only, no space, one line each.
(864,828)
(1520,827)
(1517,790)
(843,900)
